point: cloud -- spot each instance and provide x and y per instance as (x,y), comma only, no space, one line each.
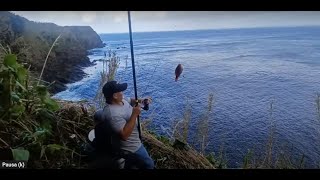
(119,17)
(88,17)
(161,14)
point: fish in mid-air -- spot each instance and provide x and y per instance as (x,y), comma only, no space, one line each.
(178,71)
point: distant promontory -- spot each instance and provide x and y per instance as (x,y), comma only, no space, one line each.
(31,41)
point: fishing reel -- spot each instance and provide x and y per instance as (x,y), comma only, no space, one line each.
(145,104)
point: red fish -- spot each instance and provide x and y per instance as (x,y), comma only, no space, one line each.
(178,71)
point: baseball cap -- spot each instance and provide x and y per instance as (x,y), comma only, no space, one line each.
(112,87)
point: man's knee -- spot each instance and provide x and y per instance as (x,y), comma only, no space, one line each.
(149,163)
(138,161)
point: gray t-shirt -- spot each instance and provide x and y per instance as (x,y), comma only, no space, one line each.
(117,116)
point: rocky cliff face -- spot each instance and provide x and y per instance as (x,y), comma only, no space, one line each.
(86,36)
(32,42)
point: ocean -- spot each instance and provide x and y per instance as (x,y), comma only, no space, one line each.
(263,80)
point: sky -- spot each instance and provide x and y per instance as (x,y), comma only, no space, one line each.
(146,21)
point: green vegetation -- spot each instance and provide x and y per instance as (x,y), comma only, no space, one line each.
(26,109)
(32,42)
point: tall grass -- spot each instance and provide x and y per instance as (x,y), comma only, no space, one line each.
(267,162)
(110,66)
(219,159)
(186,123)
(45,62)
(203,125)
(181,132)
(181,128)
(4,51)
(271,159)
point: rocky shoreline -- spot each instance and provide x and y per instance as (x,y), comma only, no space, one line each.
(71,72)
(31,41)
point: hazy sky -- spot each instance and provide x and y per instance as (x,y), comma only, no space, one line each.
(117,21)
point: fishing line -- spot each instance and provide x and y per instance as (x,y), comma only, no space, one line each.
(125,69)
(147,85)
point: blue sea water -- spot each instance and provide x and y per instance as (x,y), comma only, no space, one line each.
(247,70)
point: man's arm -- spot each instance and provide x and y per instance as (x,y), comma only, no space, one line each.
(129,126)
(123,127)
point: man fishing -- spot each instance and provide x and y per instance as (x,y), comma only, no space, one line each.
(120,118)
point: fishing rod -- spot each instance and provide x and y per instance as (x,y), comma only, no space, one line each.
(134,72)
